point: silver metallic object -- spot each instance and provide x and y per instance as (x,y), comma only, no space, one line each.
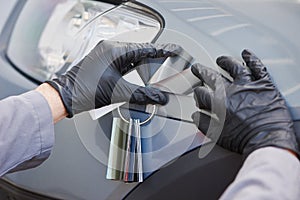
(171,66)
(140,123)
(181,83)
(125,153)
(116,157)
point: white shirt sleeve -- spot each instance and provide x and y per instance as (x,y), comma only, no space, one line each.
(26,131)
(267,173)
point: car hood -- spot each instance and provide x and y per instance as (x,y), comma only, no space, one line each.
(208,29)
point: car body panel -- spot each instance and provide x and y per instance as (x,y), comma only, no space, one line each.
(206,29)
(7,11)
(228,27)
(8,84)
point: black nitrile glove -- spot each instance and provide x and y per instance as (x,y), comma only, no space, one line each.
(255,113)
(97,80)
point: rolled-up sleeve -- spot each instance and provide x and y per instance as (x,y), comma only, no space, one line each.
(26,131)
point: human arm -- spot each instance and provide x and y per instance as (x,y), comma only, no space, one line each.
(26,131)
(267,173)
(54,101)
(26,121)
(26,128)
(252,116)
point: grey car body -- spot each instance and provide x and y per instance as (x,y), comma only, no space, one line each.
(205,29)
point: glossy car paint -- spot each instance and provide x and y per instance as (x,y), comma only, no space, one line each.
(206,29)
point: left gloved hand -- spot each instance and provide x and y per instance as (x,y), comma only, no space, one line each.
(254,112)
(97,80)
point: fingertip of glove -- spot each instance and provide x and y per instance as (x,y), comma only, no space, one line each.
(227,62)
(246,51)
(247,54)
(149,95)
(220,59)
(164,99)
(250,58)
(196,70)
(201,71)
(173,49)
(158,96)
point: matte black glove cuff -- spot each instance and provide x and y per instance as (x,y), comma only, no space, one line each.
(64,95)
(280,138)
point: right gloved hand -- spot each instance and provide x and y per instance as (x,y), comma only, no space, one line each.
(255,113)
(97,80)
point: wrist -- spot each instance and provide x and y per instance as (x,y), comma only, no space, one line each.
(54,100)
(281,138)
(64,95)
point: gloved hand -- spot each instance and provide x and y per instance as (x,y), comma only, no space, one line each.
(255,113)
(97,80)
